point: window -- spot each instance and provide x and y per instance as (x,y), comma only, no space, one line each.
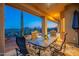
(12,21)
(51,26)
(32,23)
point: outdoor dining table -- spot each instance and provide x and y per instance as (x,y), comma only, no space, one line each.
(39,42)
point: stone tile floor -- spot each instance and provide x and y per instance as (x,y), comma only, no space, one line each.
(70,50)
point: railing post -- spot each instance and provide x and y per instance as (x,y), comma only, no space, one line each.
(22,24)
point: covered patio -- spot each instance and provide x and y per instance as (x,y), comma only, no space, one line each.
(61,13)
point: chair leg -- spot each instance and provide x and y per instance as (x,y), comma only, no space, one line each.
(16,51)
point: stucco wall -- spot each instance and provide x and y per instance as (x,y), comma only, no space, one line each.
(2,40)
(72,35)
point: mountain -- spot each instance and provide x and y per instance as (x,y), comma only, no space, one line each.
(11,32)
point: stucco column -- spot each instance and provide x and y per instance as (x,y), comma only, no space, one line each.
(44,26)
(62,25)
(2,37)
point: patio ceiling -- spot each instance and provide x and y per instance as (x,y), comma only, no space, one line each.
(50,10)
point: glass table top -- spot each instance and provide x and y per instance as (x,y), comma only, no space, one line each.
(40,41)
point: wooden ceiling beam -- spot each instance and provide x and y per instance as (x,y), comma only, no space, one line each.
(25,8)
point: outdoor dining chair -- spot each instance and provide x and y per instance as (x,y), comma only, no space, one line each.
(57,49)
(21,50)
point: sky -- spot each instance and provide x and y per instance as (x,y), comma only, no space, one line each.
(13,19)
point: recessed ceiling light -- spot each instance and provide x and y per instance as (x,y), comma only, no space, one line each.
(49,4)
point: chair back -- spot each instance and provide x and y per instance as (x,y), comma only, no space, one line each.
(53,33)
(34,35)
(20,41)
(63,42)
